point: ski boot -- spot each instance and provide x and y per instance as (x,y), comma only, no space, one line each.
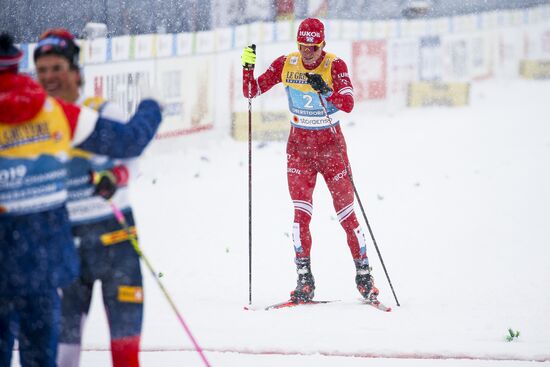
(365,281)
(306,283)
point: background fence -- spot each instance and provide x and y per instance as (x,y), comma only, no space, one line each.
(198,74)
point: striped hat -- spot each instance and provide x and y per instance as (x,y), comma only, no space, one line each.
(58,41)
(10,56)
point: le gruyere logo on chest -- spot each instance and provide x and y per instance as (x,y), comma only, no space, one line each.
(17,135)
(294,77)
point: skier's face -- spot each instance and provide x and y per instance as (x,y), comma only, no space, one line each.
(310,53)
(57,77)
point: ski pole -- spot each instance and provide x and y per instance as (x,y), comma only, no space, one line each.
(133,240)
(250,186)
(346,166)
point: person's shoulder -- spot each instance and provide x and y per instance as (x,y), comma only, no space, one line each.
(280,60)
(334,57)
(338,63)
(278,64)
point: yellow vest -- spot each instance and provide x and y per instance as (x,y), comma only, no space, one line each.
(303,100)
(294,72)
(47,133)
(32,162)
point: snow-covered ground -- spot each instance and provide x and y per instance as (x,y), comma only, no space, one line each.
(458,199)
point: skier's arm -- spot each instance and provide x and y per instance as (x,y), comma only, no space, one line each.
(103,136)
(266,81)
(342,96)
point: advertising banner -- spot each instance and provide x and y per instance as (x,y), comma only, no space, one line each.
(185,43)
(438,26)
(465,23)
(413,28)
(350,30)
(26,61)
(240,36)
(206,42)
(94,51)
(187,94)
(266,126)
(164,45)
(369,69)
(260,33)
(267,32)
(481,56)
(144,46)
(333,29)
(545,42)
(422,94)
(537,42)
(402,68)
(120,48)
(224,39)
(119,83)
(381,29)
(535,69)
(285,31)
(430,58)
(456,64)
(510,49)
(366,30)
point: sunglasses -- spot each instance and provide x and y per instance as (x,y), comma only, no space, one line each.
(315,47)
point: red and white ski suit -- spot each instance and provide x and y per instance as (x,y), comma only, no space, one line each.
(312,147)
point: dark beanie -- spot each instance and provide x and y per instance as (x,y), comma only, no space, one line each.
(58,41)
(9,54)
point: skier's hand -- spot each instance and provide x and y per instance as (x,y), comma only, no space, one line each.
(317,83)
(106,182)
(248,57)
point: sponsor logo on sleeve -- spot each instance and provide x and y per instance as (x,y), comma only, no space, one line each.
(129,294)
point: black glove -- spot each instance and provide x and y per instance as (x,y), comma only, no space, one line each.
(105,183)
(317,83)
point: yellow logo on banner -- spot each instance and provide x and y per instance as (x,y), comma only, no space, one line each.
(130,294)
(115,237)
(535,69)
(266,126)
(438,94)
